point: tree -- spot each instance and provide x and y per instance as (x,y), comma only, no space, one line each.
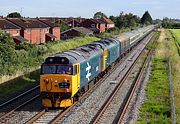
(126,20)
(99,15)
(167,23)
(14,15)
(146,18)
(63,26)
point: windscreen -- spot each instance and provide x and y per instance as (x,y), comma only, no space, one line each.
(48,69)
(65,70)
(57,69)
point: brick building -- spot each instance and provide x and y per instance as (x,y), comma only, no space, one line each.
(109,23)
(31,29)
(54,30)
(12,29)
(94,24)
(75,32)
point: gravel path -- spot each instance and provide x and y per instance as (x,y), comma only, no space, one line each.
(85,111)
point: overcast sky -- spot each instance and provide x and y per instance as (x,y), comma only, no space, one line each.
(87,8)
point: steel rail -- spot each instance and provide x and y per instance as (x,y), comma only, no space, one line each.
(7,115)
(17,97)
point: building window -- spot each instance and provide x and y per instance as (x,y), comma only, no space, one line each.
(69,24)
(93,25)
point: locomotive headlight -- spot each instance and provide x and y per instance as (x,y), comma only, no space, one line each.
(46,80)
(65,80)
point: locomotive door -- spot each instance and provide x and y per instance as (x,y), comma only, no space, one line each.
(78,76)
(105,54)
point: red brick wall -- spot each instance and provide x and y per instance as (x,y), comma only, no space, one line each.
(102,28)
(56,32)
(35,36)
(27,34)
(13,32)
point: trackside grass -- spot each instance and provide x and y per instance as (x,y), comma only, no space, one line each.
(157,108)
(175,63)
(26,63)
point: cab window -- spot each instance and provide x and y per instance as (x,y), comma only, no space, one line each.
(48,69)
(65,70)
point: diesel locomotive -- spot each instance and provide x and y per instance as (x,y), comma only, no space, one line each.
(66,75)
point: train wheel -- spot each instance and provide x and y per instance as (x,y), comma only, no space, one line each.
(46,109)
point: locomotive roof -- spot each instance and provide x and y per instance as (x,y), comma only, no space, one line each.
(122,37)
(78,54)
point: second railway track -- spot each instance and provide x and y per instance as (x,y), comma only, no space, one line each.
(115,107)
(60,117)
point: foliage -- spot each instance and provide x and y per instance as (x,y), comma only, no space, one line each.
(63,26)
(167,23)
(14,15)
(157,21)
(175,64)
(126,20)
(25,56)
(113,32)
(171,23)
(146,19)
(99,15)
(156,109)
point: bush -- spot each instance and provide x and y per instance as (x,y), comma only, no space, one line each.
(25,56)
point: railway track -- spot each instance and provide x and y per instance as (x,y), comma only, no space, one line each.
(19,96)
(8,108)
(12,113)
(38,118)
(112,112)
(54,116)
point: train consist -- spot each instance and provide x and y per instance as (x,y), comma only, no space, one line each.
(67,75)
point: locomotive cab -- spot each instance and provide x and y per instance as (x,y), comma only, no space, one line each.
(59,81)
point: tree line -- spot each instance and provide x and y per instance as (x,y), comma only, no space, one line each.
(171,23)
(127,20)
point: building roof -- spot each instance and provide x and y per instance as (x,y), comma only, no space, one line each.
(51,23)
(28,23)
(20,38)
(79,20)
(4,24)
(95,29)
(108,20)
(50,35)
(98,21)
(83,30)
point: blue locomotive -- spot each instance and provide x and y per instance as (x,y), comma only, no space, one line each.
(66,75)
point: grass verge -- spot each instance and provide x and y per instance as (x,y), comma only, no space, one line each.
(157,107)
(175,63)
(18,83)
(25,65)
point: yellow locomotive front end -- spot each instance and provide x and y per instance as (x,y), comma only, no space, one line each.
(59,83)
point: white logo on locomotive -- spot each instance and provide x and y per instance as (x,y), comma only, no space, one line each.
(88,71)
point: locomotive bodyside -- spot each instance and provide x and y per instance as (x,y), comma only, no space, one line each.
(66,74)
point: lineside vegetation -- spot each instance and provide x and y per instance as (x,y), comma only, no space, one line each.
(175,63)
(157,107)
(25,56)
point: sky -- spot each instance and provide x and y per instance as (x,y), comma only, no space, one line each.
(86,8)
